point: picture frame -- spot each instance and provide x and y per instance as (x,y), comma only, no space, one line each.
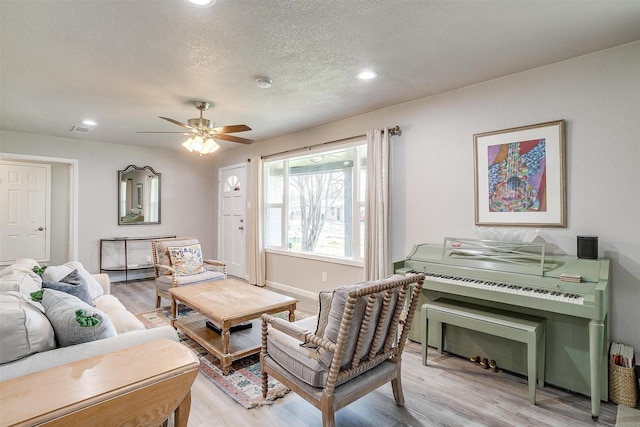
(520,176)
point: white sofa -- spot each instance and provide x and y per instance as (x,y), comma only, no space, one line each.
(28,339)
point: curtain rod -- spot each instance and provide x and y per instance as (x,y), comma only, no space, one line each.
(392,131)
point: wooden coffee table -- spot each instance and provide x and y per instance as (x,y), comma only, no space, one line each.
(227,303)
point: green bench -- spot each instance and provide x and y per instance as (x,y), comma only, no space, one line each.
(530,332)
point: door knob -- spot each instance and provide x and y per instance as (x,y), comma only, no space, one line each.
(40,228)
(241,228)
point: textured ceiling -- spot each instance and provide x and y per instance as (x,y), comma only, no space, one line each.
(124,63)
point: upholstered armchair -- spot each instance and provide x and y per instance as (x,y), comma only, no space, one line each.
(178,261)
(360,332)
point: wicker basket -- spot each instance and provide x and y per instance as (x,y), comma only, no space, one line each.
(623,387)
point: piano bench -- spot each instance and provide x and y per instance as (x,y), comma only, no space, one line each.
(530,332)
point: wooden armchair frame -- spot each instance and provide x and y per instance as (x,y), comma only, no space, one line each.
(161,269)
(338,392)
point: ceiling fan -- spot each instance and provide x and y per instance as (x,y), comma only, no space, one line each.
(202,132)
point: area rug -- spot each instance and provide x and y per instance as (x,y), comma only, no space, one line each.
(243,383)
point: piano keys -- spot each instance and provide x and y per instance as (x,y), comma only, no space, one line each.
(571,298)
(527,281)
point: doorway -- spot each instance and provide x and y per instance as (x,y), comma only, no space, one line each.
(63,235)
(232,218)
(25,211)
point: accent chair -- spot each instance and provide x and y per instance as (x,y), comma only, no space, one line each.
(178,261)
(360,333)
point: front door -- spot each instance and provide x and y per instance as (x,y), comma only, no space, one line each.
(24,211)
(231,221)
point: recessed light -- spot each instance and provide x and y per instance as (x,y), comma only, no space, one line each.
(367,75)
(201,3)
(89,122)
(263,82)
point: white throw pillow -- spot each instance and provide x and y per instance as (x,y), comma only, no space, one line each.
(57,272)
(23,328)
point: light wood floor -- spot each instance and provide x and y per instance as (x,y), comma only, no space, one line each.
(451,391)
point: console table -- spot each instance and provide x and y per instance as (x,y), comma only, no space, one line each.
(123,243)
(141,385)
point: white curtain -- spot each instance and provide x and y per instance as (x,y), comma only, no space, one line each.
(377,263)
(256,244)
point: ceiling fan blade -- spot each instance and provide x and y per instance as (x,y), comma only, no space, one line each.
(232,138)
(175,122)
(231,129)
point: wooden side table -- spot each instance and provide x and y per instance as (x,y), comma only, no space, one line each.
(137,386)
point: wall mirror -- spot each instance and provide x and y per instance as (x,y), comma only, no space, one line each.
(138,196)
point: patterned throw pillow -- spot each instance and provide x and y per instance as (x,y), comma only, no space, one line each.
(187,260)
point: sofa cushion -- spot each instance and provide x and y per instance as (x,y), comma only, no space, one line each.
(73,320)
(123,320)
(301,361)
(187,260)
(21,265)
(20,281)
(24,329)
(73,284)
(165,282)
(57,272)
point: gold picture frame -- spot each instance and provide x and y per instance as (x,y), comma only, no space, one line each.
(520,176)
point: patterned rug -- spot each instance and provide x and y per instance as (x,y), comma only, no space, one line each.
(244,382)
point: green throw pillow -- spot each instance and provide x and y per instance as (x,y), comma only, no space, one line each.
(73,320)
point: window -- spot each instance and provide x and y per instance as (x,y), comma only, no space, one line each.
(314,203)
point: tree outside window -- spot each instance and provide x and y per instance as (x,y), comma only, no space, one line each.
(314,203)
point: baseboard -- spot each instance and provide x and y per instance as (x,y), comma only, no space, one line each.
(296,291)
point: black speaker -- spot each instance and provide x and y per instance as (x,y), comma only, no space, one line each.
(588,247)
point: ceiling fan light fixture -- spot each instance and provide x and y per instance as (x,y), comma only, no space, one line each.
(187,144)
(209,146)
(366,75)
(201,3)
(197,143)
(201,146)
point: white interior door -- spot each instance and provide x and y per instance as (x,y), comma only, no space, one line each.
(232,218)
(24,211)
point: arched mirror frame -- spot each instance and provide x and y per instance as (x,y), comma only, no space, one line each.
(138,196)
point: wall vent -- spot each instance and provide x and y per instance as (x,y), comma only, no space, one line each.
(80,129)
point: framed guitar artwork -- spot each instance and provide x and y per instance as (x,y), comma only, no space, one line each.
(520,177)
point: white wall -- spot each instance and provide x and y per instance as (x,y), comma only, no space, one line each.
(433,192)
(186,201)
(598,96)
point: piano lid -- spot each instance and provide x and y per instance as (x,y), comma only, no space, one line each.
(514,257)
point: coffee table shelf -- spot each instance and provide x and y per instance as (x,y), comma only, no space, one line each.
(226,303)
(242,343)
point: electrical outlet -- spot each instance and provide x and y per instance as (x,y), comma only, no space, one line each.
(324,276)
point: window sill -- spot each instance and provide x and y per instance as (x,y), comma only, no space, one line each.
(315,257)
